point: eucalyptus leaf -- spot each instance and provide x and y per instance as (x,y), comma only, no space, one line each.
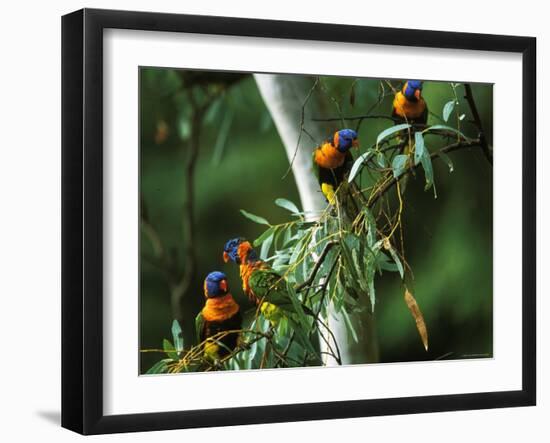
(391,130)
(397,261)
(419,148)
(266,245)
(267,233)
(372,293)
(399,164)
(428,172)
(349,326)
(448,109)
(445,128)
(287,204)
(184,129)
(159,367)
(447,160)
(177,335)
(255,218)
(169,349)
(381,160)
(359,163)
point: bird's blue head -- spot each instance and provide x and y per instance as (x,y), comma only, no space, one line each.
(215,285)
(412,90)
(345,139)
(237,250)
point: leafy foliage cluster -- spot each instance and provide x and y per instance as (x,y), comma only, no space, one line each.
(330,261)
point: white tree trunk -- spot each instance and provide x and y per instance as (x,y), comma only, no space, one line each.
(284,96)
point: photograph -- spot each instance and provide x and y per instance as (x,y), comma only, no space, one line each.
(304,220)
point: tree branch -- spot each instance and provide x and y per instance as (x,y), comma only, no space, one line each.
(188,216)
(358,117)
(449,148)
(318,264)
(477,120)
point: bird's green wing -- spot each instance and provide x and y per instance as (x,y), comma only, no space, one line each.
(271,287)
(199,327)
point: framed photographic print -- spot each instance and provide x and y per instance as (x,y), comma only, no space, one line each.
(270,221)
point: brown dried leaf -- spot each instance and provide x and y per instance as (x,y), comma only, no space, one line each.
(418,317)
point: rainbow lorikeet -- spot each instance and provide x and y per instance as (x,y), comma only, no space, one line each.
(333,160)
(262,285)
(408,104)
(220,313)
(410,107)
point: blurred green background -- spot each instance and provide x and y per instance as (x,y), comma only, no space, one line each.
(240,165)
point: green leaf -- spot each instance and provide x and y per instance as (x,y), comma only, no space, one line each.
(212,112)
(391,130)
(444,128)
(397,261)
(177,335)
(301,336)
(428,172)
(255,218)
(266,245)
(352,267)
(388,266)
(447,160)
(169,349)
(287,204)
(298,307)
(159,367)
(357,258)
(349,326)
(370,223)
(221,139)
(381,159)
(420,147)
(184,129)
(361,160)
(267,233)
(447,109)
(399,164)
(372,293)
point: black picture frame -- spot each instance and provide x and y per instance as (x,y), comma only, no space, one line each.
(82,219)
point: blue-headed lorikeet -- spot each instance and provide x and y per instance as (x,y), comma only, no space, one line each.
(333,160)
(410,107)
(220,313)
(261,283)
(408,104)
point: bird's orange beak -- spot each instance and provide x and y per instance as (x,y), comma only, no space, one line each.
(417,94)
(225,257)
(355,143)
(223,286)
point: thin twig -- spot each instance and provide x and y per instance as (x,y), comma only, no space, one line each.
(453,147)
(477,120)
(302,122)
(318,264)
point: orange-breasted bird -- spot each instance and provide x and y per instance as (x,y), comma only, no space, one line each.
(410,107)
(408,104)
(333,160)
(262,285)
(220,313)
